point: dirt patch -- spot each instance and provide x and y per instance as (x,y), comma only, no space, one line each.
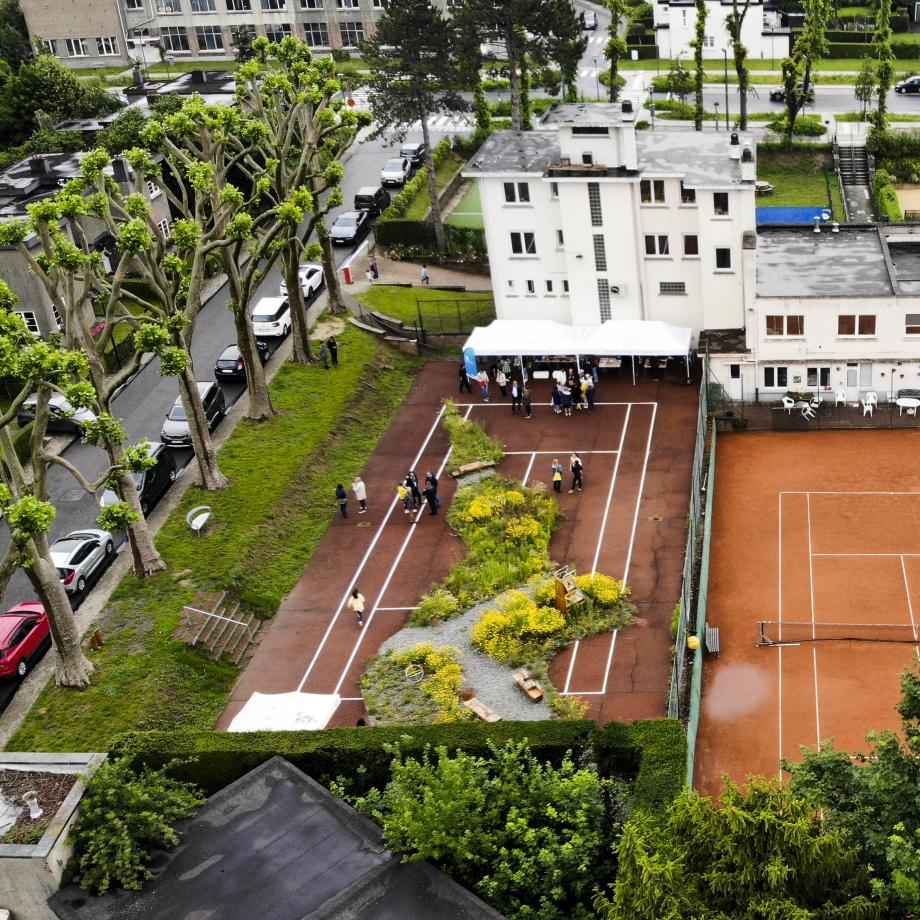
(332,325)
(51,789)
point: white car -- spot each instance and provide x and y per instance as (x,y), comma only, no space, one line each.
(81,555)
(271,317)
(62,416)
(395,172)
(311,280)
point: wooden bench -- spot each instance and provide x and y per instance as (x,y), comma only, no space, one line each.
(712,639)
(481,711)
(523,679)
(474,467)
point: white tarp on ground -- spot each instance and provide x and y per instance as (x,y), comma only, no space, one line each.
(615,338)
(285,712)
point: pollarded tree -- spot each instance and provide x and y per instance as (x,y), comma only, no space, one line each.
(309,128)
(414,75)
(616,48)
(883,56)
(699,74)
(734,25)
(810,46)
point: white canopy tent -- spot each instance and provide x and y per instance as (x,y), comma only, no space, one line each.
(614,338)
(285,712)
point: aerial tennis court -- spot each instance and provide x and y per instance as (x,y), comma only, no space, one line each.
(468,212)
(815,587)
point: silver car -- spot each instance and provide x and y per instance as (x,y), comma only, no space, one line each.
(81,555)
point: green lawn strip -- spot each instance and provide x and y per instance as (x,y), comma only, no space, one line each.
(858,116)
(401,302)
(421,203)
(161,69)
(468,212)
(798,179)
(266,525)
(847,64)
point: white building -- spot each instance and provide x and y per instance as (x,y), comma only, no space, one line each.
(590,220)
(761,32)
(833,312)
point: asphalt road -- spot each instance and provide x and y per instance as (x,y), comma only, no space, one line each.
(145,401)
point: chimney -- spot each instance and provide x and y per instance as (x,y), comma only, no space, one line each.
(199,76)
(626,106)
(152,98)
(38,165)
(120,170)
(748,166)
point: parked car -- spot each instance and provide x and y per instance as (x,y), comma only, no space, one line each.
(230,364)
(271,317)
(779,94)
(176,431)
(395,172)
(62,416)
(414,153)
(908,85)
(373,199)
(350,227)
(151,483)
(81,555)
(24,637)
(311,280)
(589,20)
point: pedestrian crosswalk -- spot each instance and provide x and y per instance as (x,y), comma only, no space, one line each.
(459,122)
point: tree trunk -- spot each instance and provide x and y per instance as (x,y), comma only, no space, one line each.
(71,667)
(742,72)
(333,289)
(260,403)
(436,219)
(290,265)
(514,79)
(212,479)
(614,75)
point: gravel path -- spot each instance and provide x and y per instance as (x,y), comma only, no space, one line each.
(491,681)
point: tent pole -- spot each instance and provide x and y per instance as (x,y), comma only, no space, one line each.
(632,359)
(687,362)
(577,367)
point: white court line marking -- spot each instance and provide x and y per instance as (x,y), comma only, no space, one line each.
(600,536)
(779,616)
(367,555)
(910,605)
(811,591)
(390,574)
(500,405)
(802,492)
(868,554)
(533,456)
(397,608)
(524,453)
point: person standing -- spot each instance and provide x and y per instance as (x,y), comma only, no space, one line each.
(360,490)
(576,393)
(464,379)
(431,480)
(502,380)
(526,401)
(556,397)
(431,496)
(341,496)
(589,393)
(333,347)
(375,271)
(324,355)
(426,278)
(404,494)
(566,400)
(557,476)
(577,468)
(412,483)
(505,365)
(515,396)
(356,602)
(483,379)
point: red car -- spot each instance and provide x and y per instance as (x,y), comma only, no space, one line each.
(24,636)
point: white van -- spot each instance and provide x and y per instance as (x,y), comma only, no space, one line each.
(271,317)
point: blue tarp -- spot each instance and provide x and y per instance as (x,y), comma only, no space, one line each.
(767,216)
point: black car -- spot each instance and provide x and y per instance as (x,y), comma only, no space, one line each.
(350,227)
(414,153)
(153,482)
(230,364)
(373,199)
(779,95)
(908,85)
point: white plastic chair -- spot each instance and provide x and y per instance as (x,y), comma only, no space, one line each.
(872,397)
(840,397)
(808,413)
(198,517)
(788,404)
(867,408)
(815,401)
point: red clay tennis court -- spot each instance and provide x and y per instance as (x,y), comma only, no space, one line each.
(818,534)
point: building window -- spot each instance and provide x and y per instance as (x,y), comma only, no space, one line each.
(153,190)
(134,4)
(651,191)
(775,378)
(29,319)
(50,44)
(723,259)
(510,285)
(518,192)
(780,324)
(278,33)
(204,6)
(720,203)
(603,298)
(554,190)
(565,285)
(912,324)
(210,38)
(657,245)
(273,5)
(174,38)
(594,204)
(239,6)
(311,4)
(170,6)
(347,4)
(352,33)
(164,227)
(531,287)
(549,287)
(316,34)
(76,47)
(381,4)
(851,324)
(107,45)
(523,244)
(560,239)
(672,287)
(818,377)
(600,253)
(709,41)
(687,195)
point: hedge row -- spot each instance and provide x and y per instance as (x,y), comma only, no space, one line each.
(886,198)
(650,753)
(407,193)
(894,145)
(643,52)
(902,52)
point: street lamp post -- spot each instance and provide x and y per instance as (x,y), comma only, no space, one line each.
(651,108)
(716,104)
(725,77)
(597,84)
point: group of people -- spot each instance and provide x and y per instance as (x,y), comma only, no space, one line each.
(576,468)
(574,392)
(408,492)
(329,350)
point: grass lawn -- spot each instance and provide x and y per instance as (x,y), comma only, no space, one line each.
(854,64)
(468,212)
(421,203)
(857,116)
(402,303)
(798,178)
(267,524)
(159,67)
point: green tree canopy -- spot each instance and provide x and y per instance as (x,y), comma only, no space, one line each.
(15,46)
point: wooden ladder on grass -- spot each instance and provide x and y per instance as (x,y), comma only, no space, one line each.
(223,631)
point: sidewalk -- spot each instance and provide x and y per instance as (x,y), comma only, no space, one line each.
(392,272)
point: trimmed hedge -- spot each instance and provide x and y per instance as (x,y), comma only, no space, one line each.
(643,52)
(651,753)
(902,51)
(894,145)
(886,198)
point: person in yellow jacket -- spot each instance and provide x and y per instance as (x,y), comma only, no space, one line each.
(557,476)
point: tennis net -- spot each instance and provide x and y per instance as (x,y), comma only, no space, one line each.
(794,632)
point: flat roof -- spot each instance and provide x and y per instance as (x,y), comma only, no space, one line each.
(515,152)
(802,263)
(704,159)
(587,113)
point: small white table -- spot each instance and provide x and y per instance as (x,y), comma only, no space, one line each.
(910,403)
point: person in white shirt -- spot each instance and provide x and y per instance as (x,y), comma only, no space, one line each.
(358,487)
(356,602)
